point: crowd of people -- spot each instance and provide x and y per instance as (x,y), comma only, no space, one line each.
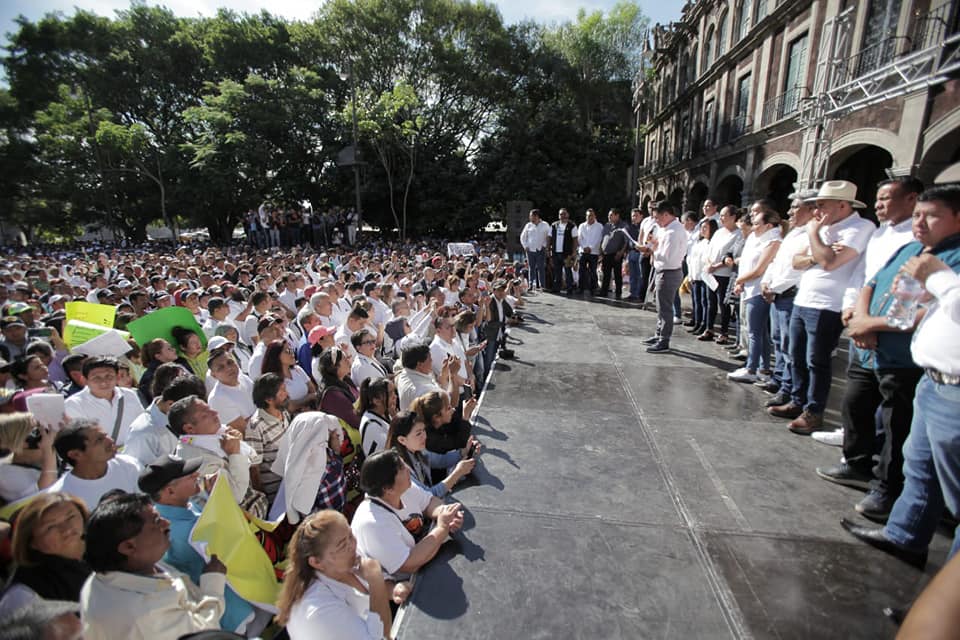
(785,287)
(332,390)
(329,390)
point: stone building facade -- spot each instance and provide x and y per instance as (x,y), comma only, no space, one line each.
(744,99)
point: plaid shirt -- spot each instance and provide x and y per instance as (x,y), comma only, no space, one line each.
(263,433)
(332,493)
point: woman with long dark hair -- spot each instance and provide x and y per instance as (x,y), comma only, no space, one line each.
(280,359)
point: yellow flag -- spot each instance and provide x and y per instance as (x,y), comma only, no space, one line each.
(223,529)
(99,314)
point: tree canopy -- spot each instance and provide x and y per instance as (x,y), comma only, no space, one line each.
(147,117)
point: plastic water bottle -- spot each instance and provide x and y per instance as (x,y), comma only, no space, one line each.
(906,299)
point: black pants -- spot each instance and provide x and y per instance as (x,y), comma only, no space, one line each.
(892,391)
(612,262)
(561,272)
(588,272)
(646,269)
(715,301)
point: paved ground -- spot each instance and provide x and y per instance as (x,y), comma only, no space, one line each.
(631,495)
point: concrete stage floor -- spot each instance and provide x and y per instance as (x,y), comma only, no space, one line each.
(630,495)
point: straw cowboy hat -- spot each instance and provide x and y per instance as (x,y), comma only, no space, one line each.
(838,190)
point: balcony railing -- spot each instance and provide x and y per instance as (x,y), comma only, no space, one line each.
(782,106)
(935,26)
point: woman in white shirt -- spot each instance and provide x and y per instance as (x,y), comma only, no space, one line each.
(280,359)
(758,251)
(696,259)
(330,592)
(377,406)
(719,264)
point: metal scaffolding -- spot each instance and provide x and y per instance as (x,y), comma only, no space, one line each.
(845,83)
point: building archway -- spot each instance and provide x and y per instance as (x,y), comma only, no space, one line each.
(697,194)
(776,183)
(729,191)
(676,199)
(865,167)
(941,148)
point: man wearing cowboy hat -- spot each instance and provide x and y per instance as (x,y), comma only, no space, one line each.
(838,237)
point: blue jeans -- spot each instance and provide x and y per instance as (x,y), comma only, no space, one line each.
(700,302)
(814,334)
(931,468)
(633,266)
(538,268)
(780,312)
(758,340)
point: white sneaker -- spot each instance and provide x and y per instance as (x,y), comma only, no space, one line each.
(742,375)
(677,320)
(832,438)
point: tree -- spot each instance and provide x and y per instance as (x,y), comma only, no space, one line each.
(255,140)
(392,126)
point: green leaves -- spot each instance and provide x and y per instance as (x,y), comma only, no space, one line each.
(152,116)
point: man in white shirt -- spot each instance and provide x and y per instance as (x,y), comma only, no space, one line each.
(356,320)
(838,237)
(563,247)
(96,467)
(648,228)
(895,203)
(589,237)
(232,394)
(150,436)
(534,238)
(444,345)
(223,450)
(269,328)
(112,407)
(666,252)
(416,377)
(779,286)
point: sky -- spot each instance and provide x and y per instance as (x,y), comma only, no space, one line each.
(662,11)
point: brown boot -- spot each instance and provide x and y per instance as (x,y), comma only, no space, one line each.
(807,423)
(788,410)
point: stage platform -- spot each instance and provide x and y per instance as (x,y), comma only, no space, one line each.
(623,494)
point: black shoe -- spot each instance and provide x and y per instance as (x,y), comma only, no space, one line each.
(768,386)
(875,506)
(777,400)
(651,340)
(876,539)
(739,357)
(689,323)
(846,475)
(659,348)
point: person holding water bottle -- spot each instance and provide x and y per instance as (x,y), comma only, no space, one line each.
(931,455)
(883,373)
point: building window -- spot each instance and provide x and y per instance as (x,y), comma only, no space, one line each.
(741,120)
(708,124)
(692,68)
(742,20)
(796,72)
(743,96)
(761,10)
(722,35)
(708,50)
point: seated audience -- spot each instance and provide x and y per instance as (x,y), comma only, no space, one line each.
(377,406)
(34,463)
(408,437)
(265,429)
(131,594)
(111,407)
